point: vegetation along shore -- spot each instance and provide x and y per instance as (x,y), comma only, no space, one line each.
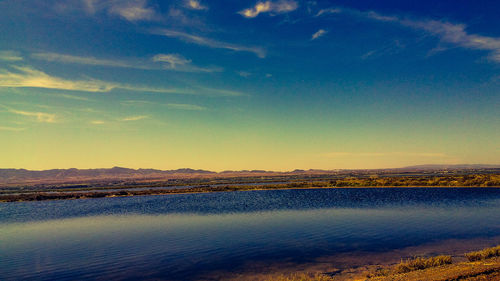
(470,180)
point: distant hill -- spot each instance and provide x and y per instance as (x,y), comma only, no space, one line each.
(117,174)
(450,167)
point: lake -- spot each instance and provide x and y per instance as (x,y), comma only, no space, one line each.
(192,236)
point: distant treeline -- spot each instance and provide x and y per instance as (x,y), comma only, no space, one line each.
(478,180)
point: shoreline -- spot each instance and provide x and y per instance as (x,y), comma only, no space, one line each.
(366,265)
(43,196)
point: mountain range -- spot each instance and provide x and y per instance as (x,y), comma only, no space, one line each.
(73,175)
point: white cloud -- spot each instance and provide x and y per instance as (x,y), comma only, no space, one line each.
(27,77)
(195,5)
(134,118)
(318,34)
(10,56)
(328,11)
(203,41)
(283,6)
(97,122)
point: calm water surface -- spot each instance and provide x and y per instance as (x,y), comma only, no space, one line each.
(189,236)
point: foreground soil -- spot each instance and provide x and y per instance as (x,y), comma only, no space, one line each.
(479,270)
(485,270)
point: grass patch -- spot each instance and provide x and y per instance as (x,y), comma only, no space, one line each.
(483,254)
(421,263)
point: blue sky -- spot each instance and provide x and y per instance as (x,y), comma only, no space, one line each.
(272,85)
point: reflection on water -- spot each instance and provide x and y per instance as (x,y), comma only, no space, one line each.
(180,237)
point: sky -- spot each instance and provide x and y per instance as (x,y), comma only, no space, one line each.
(233,85)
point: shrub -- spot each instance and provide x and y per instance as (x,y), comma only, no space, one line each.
(483,254)
(422,263)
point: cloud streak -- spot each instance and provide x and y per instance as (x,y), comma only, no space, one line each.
(180,106)
(382,154)
(27,77)
(41,117)
(10,56)
(328,11)
(32,78)
(279,7)
(130,10)
(318,34)
(175,62)
(457,34)
(12,129)
(63,58)
(208,42)
(447,32)
(134,118)
(180,63)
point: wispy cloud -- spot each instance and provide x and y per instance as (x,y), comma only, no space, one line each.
(13,129)
(328,11)
(456,34)
(134,118)
(279,7)
(318,34)
(195,5)
(447,32)
(10,56)
(130,10)
(208,42)
(41,117)
(64,58)
(180,63)
(381,154)
(73,97)
(133,10)
(245,74)
(179,106)
(368,54)
(97,122)
(175,62)
(182,106)
(172,59)
(27,77)
(393,47)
